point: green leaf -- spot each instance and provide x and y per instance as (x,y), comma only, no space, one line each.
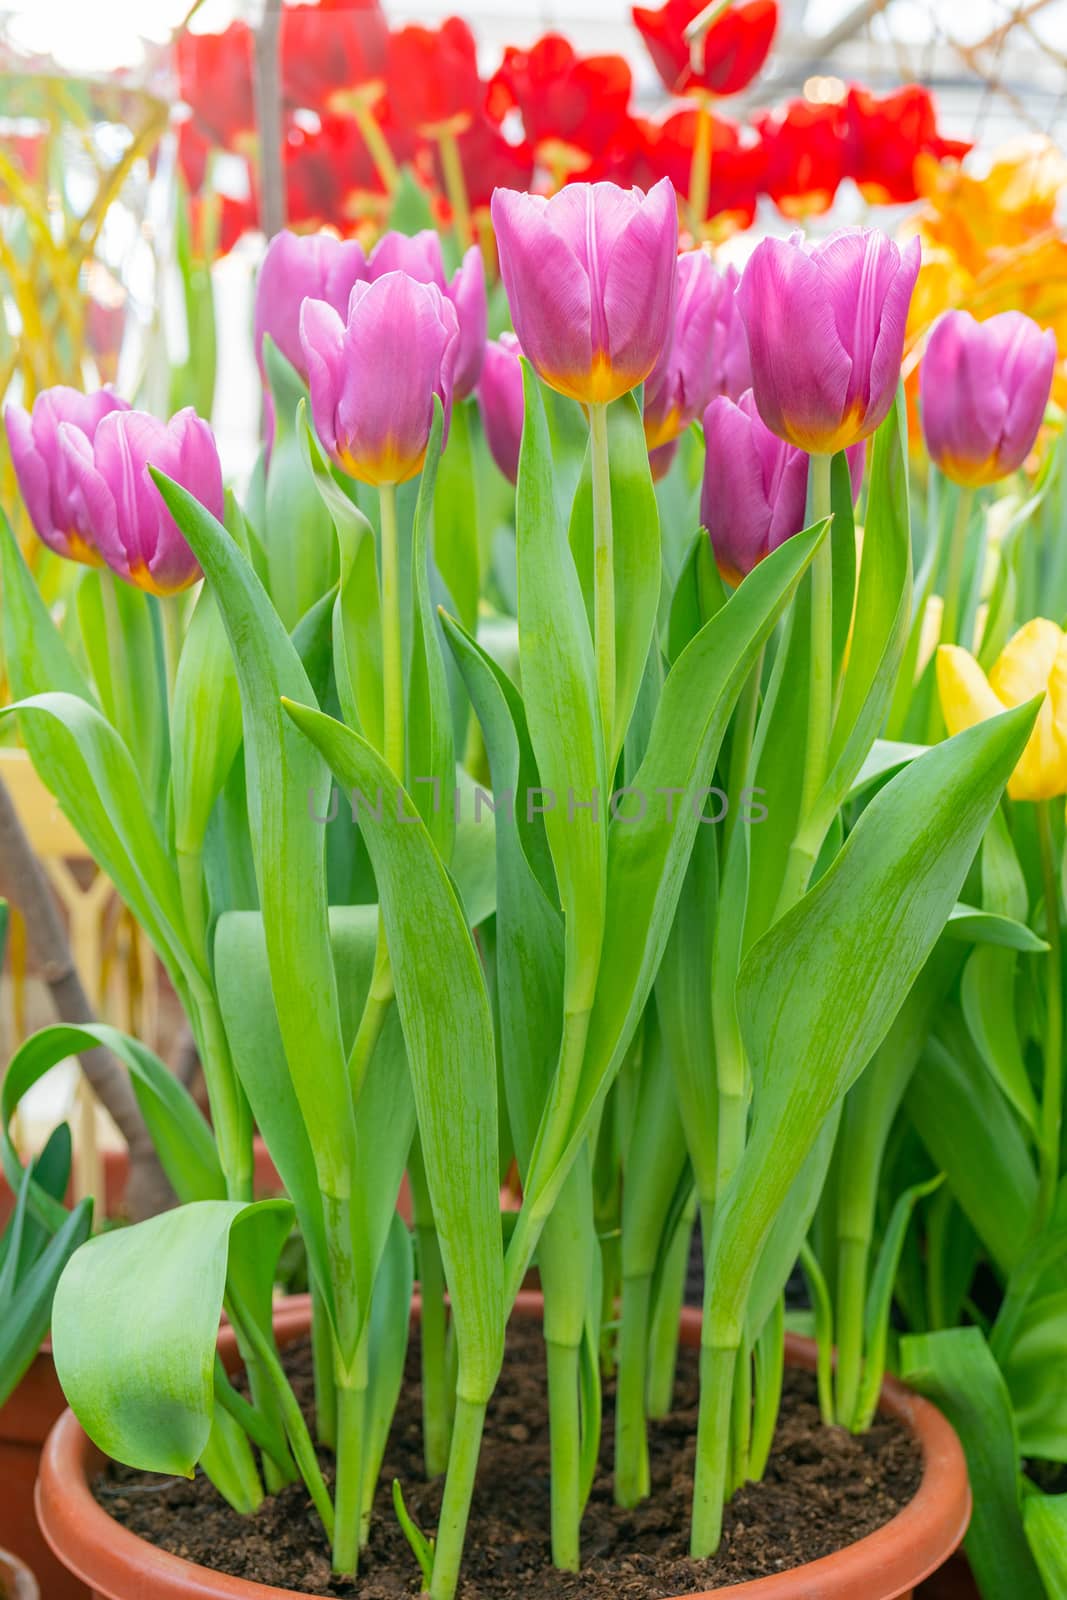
(182,1139)
(1032,1370)
(448,1031)
(970,1134)
(140,713)
(458,540)
(390,1321)
(357,627)
(987,994)
(529,930)
(288,786)
(885,757)
(82,760)
(25,1314)
(384,1115)
(956,1370)
(635,551)
(559,693)
(880,1298)
(301,555)
(36,658)
(649,856)
(867,926)
(1045,1525)
(206,723)
(990,928)
(140,1379)
(431,758)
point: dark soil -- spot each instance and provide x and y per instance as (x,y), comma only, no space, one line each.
(823,1489)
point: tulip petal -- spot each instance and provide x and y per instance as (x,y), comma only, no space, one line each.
(32,474)
(94,497)
(639,286)
(468,294)
(418,254)
(547,289)
(964,690)
(800,369)
(322,340)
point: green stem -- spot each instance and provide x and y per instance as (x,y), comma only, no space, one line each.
(322,1363)
(957,551)
(296,1429)
(806,841)
(230,1114)
(351,1391)
(852,1256)
(455,186)
(663,1339)
(1052,1085)
(603,579)
(375,1014)
(433,1331)
(256,1424)
(741,747)
(740,1421)
(770,1370)
(459,1486)
(631,1433)
(824,1330)
(717,1367)
(564,1422)
(392,648)
(122,711)
(700,166)
(191,883)
(170,607)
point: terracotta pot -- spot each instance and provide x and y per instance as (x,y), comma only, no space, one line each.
(33,1408)
(954,1582)
(886,1565)
(17,1582)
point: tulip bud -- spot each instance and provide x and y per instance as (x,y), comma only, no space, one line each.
(590,279)
(298,267)
(501,403)
(755,489)
(132,528)
(705,355)
(1033,662)
(421,258)
(373,379)
(825,327)
(984,389)
(55,508)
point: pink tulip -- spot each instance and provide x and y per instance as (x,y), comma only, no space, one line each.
(825,327)
(590,279)
(754,495)
(706,355)
(54,507)
(501,403)
(132,528)
(374,377)
(295,268)
(984,389)
(421,258)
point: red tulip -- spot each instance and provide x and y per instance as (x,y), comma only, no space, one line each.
(329,47)
(193,151)
(734,48)
(432,79)
(625,158)
(737,165)
(886,136)
(564,98)
(331,177)
(489,162)
(805,148)
(215,75)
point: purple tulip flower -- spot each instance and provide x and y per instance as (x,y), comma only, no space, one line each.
(825,327)
(55,508)
(755,488)
(298,267)
(984,388)
(502,404)
(421,258)
(374,377)
(706,355)
(131,526)
(590,278)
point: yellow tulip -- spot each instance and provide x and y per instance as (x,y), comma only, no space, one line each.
(1033,662)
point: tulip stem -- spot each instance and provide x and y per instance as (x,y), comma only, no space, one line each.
(1052,1089)
(603,579)
(455,185)
(700,165)
(392,654)
(373,137)
(950,616)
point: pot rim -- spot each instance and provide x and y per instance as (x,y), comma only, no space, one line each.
(883,1565)
(20,1583)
